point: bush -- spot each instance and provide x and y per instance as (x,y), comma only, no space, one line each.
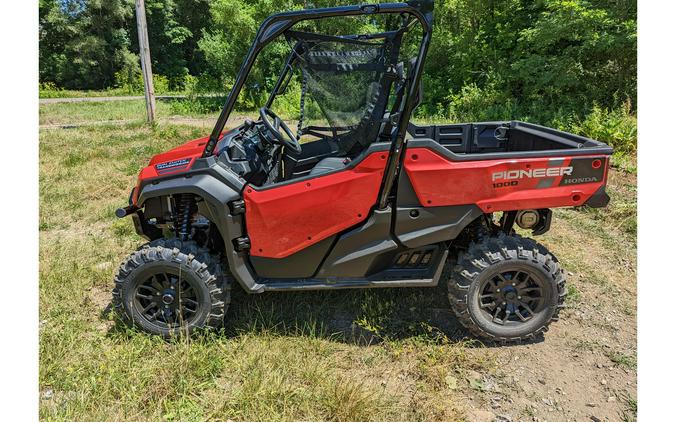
(617,127)
(474,104)
(129,78)
(49,90)
(203,84)
(161,84)
(196,105)
(131,83)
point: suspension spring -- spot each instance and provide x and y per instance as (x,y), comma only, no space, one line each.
(185,208)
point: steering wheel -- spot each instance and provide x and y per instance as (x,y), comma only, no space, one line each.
(290,143)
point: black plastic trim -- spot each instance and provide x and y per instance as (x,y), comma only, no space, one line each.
(599,199)
(597,148)
(360,283)
(416,226)
(544,225)
(302,264)
(347,284)
(143,229)
(355,252)
(433,224)
(210,166)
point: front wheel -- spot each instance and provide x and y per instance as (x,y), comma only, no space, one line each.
(506,289)
(171,287)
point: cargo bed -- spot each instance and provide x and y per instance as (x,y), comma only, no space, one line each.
(488,140)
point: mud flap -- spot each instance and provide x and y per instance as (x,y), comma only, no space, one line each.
(599,199)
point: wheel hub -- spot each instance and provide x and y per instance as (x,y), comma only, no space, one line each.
(511,297)
(168,298)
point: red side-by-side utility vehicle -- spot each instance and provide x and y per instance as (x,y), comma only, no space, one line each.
(357,196)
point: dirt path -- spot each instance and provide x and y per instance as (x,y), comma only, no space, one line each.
(118,98)
(569,376)
(201,122)
(585,370)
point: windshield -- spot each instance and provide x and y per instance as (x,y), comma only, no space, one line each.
(343,77)
(344,84)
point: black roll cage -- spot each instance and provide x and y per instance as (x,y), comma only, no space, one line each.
(277,24)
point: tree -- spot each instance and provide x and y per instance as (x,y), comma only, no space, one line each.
(509,58)
(576,54)
(174,26)
(83,43)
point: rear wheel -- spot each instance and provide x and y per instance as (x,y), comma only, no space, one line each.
(170,287)
(506,289)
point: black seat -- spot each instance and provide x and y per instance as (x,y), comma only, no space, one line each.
(329,164)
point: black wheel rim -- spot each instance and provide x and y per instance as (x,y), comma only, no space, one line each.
(167,300)
(512,297)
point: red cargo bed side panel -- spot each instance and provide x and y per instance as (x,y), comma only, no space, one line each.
(285,219)
(504,184)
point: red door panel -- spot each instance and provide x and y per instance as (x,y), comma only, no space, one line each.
(504,184)
(285,219)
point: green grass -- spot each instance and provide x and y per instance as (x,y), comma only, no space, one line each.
(621,213)
(52,92)
(280,357)
(622,359)
(73,113)
(127,111)
(630,414)
(343,356)
(49,90)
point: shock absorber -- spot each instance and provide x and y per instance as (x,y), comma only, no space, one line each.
(185,208)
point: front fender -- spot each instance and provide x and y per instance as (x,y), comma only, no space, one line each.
(212,190)
(216,196)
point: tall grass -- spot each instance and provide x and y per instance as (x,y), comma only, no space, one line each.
(616,127)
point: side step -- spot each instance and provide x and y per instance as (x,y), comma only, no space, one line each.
(336,283)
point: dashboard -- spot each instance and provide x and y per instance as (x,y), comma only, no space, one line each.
(249,152)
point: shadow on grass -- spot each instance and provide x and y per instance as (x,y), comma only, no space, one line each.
(362,317)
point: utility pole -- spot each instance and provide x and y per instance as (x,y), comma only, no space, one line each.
(145,59)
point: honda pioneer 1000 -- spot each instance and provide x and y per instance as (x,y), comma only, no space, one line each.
(357,196)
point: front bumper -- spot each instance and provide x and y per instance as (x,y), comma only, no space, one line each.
(143,227)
